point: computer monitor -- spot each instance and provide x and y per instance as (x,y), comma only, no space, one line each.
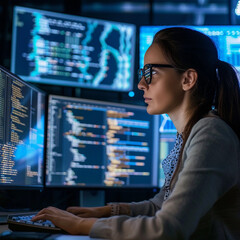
(101,144)
(22,116)
(226,39)
(60,49)
(167,133)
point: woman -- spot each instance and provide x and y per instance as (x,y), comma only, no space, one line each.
(184,78)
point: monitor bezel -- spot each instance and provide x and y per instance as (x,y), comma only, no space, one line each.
(71,17)
(154,155)
(29,187)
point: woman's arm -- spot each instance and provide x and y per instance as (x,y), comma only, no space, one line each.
(146,208)
(89,212)
(210,169)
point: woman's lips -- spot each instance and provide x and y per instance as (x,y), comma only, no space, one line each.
(147,99)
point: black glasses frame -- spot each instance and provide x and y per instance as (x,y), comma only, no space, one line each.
(146,71)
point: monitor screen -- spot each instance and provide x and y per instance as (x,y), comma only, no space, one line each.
(60,49)
(101,144)
(22,109)
(167,140)
(226,39)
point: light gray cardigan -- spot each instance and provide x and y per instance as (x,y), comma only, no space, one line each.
(205,199)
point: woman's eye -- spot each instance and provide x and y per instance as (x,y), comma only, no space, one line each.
(154,72)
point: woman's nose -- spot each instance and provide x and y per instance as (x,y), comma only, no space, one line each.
(142,84)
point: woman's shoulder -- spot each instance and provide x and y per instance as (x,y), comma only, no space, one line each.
(213,125)
(211,136)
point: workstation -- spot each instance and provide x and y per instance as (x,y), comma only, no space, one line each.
(76,129)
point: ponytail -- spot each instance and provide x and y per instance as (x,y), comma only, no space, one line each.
(228,96)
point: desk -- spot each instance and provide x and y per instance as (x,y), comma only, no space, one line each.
(57,236)
(3,228)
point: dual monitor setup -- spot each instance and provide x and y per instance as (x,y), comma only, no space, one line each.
(58,141)
(87,143)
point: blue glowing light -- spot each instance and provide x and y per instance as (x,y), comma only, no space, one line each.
(131,94)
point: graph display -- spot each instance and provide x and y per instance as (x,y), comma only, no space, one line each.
(101,144)
(226,39)
(60,49)
(21,132)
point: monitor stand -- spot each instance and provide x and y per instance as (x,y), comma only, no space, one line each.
(92,198)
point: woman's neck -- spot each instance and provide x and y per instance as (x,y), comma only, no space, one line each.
(180,118)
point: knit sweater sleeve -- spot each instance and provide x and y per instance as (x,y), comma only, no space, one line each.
(205,177)
(148,207)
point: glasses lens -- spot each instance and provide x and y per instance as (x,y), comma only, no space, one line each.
(147,74)
(140,74)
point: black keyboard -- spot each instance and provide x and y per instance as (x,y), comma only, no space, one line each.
(23,223)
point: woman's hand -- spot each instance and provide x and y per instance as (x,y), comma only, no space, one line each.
(88,212)
(65,220)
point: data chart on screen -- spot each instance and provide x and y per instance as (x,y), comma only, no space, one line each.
(60,49)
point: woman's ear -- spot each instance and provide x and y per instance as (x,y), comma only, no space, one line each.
(189,79)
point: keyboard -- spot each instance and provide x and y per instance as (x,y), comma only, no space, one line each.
(23,223)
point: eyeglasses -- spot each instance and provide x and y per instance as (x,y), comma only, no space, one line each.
(146,71)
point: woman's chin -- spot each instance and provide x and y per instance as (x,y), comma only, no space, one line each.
(152,111)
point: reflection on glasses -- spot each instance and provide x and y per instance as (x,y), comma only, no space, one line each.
(146,71)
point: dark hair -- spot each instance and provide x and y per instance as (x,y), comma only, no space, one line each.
(217,82)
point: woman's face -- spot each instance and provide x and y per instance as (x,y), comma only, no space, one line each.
(164,94)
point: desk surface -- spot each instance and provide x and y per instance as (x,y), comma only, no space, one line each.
(57,236)
(3,228)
